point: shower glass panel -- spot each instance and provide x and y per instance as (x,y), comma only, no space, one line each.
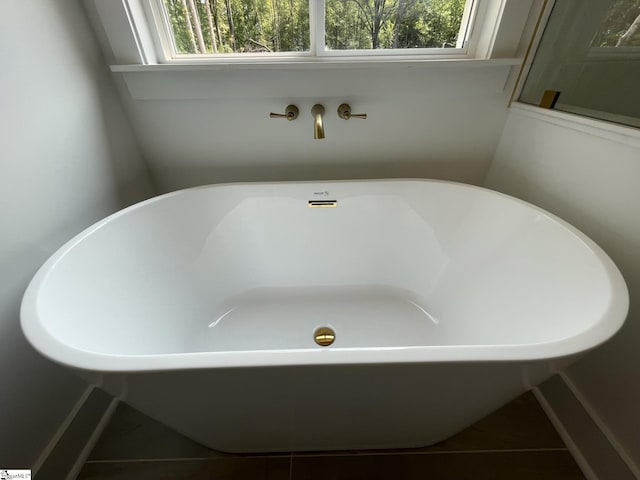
(590,54)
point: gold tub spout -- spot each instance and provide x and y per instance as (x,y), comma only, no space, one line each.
(318,127)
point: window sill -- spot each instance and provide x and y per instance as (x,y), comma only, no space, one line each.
(320,63)
(337,79)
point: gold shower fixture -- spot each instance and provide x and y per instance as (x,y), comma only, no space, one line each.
(324,336)
(290,113)
(344,112)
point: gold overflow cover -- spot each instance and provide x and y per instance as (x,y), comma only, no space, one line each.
(323,203)
(324,336)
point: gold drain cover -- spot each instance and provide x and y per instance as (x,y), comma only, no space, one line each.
(324,336)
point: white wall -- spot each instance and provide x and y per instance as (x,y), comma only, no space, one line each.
(66,160)
(426,119)
(212,125)
(591,178)
(204,127)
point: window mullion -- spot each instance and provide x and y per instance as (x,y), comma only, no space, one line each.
(316,27)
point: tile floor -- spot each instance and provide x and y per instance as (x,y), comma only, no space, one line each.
(516,442)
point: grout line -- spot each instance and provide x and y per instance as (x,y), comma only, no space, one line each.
(186,459)
(61,430)
(93,439)
(431,452)
(332,454)
(564,435)
(291,466)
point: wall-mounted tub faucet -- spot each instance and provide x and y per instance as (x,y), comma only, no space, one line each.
(318,127)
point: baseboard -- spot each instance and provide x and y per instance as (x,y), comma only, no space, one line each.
(596,452)
(37,465)
(70,446)
(92,440)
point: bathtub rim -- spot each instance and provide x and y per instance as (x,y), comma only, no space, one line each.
(49,346)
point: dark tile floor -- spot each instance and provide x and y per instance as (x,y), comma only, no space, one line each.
(516,442)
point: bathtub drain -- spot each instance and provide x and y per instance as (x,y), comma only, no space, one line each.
(324,336)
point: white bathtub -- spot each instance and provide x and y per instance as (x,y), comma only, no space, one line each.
(199,308)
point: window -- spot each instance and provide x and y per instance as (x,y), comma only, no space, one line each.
(589,55)
(197,29)
(163,35)
(620,26)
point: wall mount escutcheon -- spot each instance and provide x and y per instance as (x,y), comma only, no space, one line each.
(344,112)
(290,113)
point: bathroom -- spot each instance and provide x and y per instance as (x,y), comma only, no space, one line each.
(80,142)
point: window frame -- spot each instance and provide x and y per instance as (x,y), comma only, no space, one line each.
(568,112)
(166,52)
(132,40)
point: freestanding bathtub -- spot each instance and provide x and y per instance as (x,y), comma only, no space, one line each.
(445,301)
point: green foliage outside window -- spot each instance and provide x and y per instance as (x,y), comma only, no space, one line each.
(621,26)
(224,26)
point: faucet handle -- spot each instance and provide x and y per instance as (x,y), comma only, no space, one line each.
(290,113)
(344,112)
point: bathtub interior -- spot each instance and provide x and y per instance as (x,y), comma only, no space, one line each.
(396,264)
